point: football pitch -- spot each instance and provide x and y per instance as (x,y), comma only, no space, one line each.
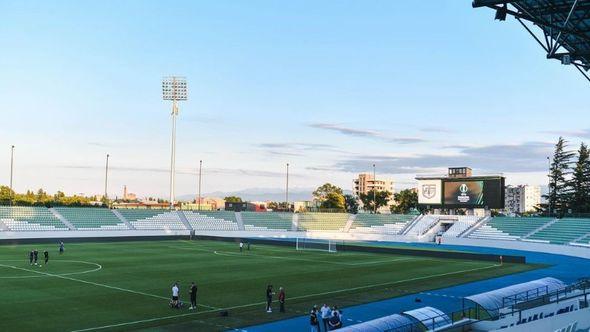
(122,286)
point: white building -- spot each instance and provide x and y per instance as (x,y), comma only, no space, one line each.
(365,182)
(522,198)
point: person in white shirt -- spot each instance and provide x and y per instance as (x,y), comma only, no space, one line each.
(175,292)
(325,314)
(241,246)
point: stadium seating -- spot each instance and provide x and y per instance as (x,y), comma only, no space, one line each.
(563,231)
(212,221)
(150,219)
(322,221)
(461,225)
(30,218)
(425,223)
(509,228)
(264,221)
(390,224)
(92,218)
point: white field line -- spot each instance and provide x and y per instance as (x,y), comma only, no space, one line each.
(94,283)
(227,253)
(98,267)
(291,298)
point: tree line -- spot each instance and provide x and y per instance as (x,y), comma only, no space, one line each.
(42,198)
(332,198)
(569,180)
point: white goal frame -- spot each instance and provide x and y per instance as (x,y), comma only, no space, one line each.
(315,244)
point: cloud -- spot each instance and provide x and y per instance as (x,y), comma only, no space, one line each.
(584,133)
(524,157)
(296,149)
(223,171)
(365,133)
(436,130)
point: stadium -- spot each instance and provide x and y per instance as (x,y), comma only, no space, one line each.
(449,252)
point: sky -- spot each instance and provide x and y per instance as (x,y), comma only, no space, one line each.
(329,87)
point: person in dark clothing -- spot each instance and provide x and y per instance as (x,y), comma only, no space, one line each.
(248,245)
(269,294)
(31,254)
(335,322)
(46,254)
(313,320)
(282,299)
(61,247)
(35,256)
(193,293)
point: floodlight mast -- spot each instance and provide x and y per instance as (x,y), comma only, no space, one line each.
(174,89)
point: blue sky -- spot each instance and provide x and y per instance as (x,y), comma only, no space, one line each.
(328,86)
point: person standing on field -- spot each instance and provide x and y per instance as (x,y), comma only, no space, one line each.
(282,299)
(31,257)
(241,246)
(269,294)
(325,313)
(46,254)
(193,293)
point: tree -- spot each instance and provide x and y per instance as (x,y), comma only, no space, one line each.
(330,197)
(580,183)
(233,199)
(372,198)
(559,186)
(334,201)
(406,200)
(351,203)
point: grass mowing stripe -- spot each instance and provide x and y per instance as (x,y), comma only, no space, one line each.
(291,298)
(94,283)
(227,253)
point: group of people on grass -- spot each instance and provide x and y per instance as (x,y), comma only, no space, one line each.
(176,303)
(326,317)
(269,294)
(34,255)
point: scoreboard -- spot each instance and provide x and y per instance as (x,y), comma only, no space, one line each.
(471,192)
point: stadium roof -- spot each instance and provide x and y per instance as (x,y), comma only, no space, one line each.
(494,300)
(564,26)
(432,318)
(388,323)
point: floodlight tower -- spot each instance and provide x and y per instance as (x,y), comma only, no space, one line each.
(174,89)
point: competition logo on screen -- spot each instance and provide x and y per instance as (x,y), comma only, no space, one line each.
(428,190)
(464,196)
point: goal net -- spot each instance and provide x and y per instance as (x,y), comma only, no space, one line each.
(315,244)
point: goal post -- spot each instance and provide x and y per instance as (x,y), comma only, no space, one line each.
(315,244)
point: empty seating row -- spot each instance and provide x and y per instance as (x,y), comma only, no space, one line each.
(390,224)
(563,231)
(30,218)
(211,221)
(462,224)
(92,218)
(151,219)
(262,221)
(487,232)
(322,221)
(423,225)
(518,226)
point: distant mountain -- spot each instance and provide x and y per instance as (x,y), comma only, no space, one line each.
(261,194)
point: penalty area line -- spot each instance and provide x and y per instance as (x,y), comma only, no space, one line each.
(149,320)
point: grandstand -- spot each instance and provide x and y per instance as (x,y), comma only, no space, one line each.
(30,218)
(92,218)
(322,221)
(208,221)
(380,223)
(462,224)
(563,231)
(509,228)
(147,219)
(264,221)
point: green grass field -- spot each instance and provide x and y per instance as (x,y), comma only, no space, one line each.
(125,286)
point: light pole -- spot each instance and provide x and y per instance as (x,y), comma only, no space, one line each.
(287,191)
(374,191)
(11,170)
(199,196)
(550,189)
(174,89)
(106,180)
